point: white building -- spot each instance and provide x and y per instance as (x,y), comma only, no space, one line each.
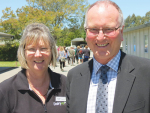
(137,41)
(4,36)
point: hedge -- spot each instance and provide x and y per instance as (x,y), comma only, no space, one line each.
(8,52)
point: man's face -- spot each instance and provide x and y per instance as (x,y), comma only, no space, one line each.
(104,47)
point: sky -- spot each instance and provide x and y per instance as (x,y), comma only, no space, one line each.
(128,7)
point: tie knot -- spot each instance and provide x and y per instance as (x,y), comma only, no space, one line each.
(104,69)
(103,76)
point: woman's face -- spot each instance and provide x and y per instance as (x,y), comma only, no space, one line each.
(38,55)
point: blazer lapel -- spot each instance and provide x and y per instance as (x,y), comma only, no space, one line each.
(83,85)
(125,79)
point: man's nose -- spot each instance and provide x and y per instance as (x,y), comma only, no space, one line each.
(100,35)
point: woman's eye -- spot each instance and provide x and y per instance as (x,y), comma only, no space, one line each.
(43,49)
(31,49)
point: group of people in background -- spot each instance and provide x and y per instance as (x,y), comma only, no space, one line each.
(78,54)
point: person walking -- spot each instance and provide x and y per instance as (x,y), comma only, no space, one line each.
(77,54)
(86,53)
(71,55)
(62,58)
(80,55)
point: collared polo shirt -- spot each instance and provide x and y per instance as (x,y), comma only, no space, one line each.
(16,97)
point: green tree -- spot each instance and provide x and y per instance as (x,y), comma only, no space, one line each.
(147,17)
(56,14)
(138,21)
(127,22)
(65,12)
(132,20)
(9,23)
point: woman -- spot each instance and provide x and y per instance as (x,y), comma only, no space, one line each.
(66,55)
(80,55)
(86,53)
(62,58)
(36,88)
(77,53)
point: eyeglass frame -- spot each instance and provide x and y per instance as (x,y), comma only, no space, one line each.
(34,51)
(115,29)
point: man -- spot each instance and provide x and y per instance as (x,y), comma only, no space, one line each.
(127,77)
(86,53)
(71,55)
(80,54)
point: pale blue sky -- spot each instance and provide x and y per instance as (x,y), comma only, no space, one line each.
(128,7)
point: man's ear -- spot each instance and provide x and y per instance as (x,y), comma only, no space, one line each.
(122,33)
(86,39)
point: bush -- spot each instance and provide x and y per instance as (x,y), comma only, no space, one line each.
(8,52)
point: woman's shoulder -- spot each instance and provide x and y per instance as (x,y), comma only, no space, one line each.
(13,82)
(58,79)
(8,84)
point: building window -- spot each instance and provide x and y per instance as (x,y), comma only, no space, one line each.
(134,44)
(145,44)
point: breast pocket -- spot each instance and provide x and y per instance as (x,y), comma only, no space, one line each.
(134,107)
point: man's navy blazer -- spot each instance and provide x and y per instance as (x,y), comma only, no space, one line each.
(132,94)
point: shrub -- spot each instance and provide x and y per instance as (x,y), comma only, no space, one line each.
(8,52)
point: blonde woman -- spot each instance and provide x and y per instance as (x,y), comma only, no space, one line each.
(36,88)
(62,58)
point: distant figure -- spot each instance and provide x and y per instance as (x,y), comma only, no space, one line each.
(68,58)
(61,55)
(71,54)
(77,54)
(80,55)
(86,53)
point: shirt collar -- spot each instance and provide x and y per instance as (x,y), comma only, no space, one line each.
(50,86)
(113,64)
(22,83)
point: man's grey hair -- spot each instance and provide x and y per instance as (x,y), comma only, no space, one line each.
(106,3)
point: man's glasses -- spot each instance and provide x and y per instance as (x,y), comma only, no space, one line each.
(33,50)
(106,31)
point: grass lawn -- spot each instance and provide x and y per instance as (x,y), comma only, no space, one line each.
(9,64)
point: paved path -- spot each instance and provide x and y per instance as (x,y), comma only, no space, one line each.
(13,71)
(8,72)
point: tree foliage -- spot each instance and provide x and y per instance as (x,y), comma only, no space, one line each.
(132,21)
(63,17)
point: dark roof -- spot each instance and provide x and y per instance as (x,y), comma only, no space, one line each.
(4,35)
(78,39)
(136,27)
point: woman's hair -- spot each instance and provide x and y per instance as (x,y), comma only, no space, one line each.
(78,47)
(86,46)
(106,3)
(61,48)
(32,33)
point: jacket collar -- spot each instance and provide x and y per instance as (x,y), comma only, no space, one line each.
(22,84)
(125,80)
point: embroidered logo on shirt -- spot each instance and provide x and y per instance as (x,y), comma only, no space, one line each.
(59,101)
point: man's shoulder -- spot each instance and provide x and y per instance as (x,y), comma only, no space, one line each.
(134,58)
(82,67)
(137,62)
